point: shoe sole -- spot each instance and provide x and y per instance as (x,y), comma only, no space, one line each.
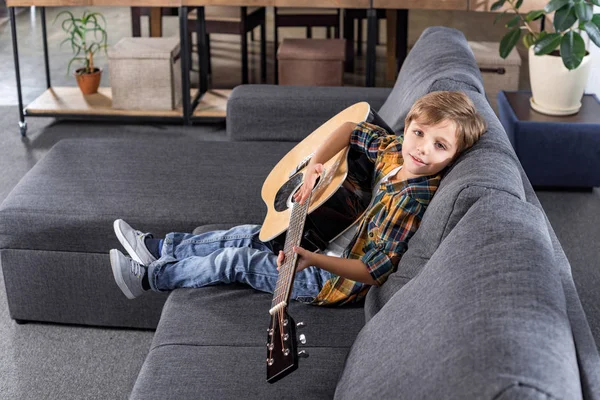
(125,243)
(114,263)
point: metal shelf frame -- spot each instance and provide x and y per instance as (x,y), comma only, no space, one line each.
(189,104)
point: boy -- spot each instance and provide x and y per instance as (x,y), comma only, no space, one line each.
(408,168)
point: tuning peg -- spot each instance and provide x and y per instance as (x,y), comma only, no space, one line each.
(302,338)
(302,354)
(300,324)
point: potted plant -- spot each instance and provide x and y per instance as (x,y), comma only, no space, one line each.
(87,35)
(559,63)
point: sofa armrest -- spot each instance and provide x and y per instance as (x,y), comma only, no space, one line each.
(290,113)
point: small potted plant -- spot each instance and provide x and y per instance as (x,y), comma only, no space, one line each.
(87,35)
(559,63)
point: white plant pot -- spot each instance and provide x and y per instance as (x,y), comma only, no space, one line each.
(555,89)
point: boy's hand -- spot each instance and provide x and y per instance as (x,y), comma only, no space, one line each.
(304,259)
(310,177)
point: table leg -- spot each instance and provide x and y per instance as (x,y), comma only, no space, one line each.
(371,46)
(263,50)
(202,48)
(348,33)
(184,51)
(13,29)
(45,40)
(156,22)
(390,67)
(136,23)
(401,37)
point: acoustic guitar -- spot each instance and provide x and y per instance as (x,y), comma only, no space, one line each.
(340,196)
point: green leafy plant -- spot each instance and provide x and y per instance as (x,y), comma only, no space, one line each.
(571,17)
(86,35)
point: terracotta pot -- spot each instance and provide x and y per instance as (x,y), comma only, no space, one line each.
(88,83)
(556,90)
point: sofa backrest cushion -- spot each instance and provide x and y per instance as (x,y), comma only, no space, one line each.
(486,317)
(490,164)
(441,57)
(290,113)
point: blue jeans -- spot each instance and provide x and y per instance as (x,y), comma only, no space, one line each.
(235,255)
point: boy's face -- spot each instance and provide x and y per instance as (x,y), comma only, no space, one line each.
(427,149)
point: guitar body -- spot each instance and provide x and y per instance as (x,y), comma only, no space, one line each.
(342,192)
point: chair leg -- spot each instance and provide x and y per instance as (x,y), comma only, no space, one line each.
(244,35)
(136,21)
(244,58)
(359,37)
(349,36)
(190,41)
(252,35)
(308,32)
(275,45)
(209,67)
(377,32)
(263,52)
(328,28)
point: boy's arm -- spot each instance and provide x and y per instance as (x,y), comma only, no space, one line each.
(351,269)
(335,142)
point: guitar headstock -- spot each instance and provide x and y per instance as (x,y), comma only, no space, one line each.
(282,352)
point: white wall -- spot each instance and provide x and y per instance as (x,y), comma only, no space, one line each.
(593,84)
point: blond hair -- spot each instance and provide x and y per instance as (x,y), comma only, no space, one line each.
(457,107)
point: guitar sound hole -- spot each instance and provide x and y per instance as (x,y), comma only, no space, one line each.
(284,194)
(283,198)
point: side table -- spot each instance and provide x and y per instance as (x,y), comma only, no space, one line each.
(554,151)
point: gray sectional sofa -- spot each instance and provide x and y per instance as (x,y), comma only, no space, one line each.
(482,306)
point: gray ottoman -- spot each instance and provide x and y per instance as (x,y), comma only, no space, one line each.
(56,225)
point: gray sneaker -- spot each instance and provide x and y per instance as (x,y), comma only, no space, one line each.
(128,274)
(133,242)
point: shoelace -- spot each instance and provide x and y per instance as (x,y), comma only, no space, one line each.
(137,269)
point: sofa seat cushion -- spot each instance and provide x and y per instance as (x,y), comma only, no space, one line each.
(236,315)
(70,198)
(210,344)
(487,314)
(233,372)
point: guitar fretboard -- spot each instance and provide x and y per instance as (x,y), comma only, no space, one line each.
(287,271)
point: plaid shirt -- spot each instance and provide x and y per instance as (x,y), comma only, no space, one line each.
(389,223)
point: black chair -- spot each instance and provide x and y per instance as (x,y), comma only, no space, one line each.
(220,19)
(349,16)
(235,21)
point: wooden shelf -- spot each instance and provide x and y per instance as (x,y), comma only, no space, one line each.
(213,104)
(70,100)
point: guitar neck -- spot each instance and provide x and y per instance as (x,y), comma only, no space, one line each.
(287,271)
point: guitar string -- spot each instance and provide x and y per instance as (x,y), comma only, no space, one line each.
(289,252)
(296,224)
(299,219)
(281,329)
(284,274)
